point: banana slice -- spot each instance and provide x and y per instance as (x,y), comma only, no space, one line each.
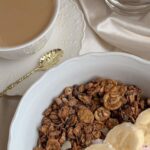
(104,146)
(125,136)
(143,122)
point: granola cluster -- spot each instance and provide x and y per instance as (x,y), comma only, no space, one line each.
(86,112)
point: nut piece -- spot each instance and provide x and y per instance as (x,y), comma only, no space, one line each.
(97,126)
(51,127)
(58,101)
(89,85)
(112,123)
(81,88)
(46,121)
(142,104)
(68,91)
(85,99)
(72,102)
(85,115)
(72,120)
(75,146)
(108,84)
(64,112)
(47,112)
(70,133)
(44,129)
(54,134)
(88,129)
(88,139)
(77,130)
(62,138)
(112,103)
(52,145)
(101,114)
(96,134)
(118,90)
(53,115)
(82,139)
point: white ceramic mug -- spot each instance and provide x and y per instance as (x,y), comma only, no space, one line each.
(34,45)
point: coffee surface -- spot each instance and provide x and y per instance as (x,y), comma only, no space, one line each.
(23,20)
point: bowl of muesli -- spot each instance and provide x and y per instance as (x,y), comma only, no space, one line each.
(95,101)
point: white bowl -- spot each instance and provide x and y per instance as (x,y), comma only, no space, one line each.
(119,66)
(34,45)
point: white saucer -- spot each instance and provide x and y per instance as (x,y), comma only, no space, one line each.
(68,35)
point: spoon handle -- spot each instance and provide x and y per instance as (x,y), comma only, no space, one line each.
(14,84)
(47,61)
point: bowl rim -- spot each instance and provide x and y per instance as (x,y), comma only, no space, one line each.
(40,36)
(92,54)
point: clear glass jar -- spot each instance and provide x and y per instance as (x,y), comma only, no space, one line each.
(129,6)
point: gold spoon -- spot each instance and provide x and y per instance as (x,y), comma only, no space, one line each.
(47,61)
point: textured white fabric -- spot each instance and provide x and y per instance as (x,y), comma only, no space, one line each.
(127,33)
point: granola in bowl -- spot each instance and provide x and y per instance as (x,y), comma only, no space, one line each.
(84,113)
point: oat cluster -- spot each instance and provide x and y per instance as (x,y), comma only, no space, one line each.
(86,112)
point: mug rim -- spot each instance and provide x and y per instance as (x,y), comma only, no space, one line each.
(37,38)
